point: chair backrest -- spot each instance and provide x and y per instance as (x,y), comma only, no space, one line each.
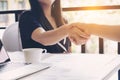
(11,38)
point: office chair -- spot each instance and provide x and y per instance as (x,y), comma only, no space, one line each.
(11,38)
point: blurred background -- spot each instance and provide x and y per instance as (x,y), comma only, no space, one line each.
(110,16)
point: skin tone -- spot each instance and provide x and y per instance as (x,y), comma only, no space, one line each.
(53,36)
(104,31)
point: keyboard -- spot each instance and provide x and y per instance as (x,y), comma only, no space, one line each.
(24,71)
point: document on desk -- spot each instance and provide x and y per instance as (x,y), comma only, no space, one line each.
(79,67)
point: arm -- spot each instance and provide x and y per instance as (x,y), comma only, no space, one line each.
(53,36)
(105,31)
(49,37)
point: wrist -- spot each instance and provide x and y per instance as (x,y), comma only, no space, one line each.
(65,29)
(89,29)
(68,28)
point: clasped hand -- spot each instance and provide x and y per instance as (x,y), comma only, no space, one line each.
(77,33)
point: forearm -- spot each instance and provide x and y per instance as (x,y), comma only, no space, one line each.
(51,37)
(105,31)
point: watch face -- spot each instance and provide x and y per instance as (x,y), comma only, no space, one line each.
(3,54)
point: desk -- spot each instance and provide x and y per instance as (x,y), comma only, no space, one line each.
(78,67)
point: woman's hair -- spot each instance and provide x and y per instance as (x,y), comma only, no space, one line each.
(0,45)
(56,11)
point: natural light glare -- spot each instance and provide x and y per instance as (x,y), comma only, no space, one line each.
(78,3)
(109,17)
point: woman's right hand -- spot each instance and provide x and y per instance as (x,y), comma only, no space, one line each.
(77,34)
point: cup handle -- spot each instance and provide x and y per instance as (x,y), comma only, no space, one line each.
(44,51)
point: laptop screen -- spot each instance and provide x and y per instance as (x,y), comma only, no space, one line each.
(3,54)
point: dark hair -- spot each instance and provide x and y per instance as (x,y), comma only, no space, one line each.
(56,11)
(1,45)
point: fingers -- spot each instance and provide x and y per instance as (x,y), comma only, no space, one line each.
(82,26)
(78,35)
(76,39)
(78,42)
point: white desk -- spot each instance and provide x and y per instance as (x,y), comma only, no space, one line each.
(78,67)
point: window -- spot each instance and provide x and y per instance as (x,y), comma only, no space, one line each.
(94,16)
(80,3)
(3,6)
(21,4)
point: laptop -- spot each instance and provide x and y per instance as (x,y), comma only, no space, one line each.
(13,71)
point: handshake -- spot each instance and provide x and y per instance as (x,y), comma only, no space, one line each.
(78,33)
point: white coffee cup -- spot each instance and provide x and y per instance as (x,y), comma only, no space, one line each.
(33,55)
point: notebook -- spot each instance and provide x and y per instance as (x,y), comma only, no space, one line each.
(15,71)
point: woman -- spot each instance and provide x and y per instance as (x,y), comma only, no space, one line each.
(43,27)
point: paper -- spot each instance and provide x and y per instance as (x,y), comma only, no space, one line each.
(75,67)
